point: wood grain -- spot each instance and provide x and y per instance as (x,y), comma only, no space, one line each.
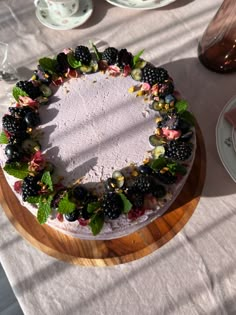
(110,252)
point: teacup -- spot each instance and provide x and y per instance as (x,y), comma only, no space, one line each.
(58,8)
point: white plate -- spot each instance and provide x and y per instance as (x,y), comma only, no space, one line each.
(140,4)
(224,140)
(77,19)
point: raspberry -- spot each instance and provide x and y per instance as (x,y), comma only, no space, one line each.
(110,55)
(112,205)
(30,187)
(83,54)
(153,75)
(29,88)
(178,150)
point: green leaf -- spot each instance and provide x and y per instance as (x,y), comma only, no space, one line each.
(127,205)
(17,92)
(158,164)
(44,209)
(93,206)
(18,170)
(3,138)
(96,222)
(181,106)
(33,199)
(137,57)
(187,116)
(47,180)
(176,168)
(73,62)
(65,205)
(48,64)
(97,53)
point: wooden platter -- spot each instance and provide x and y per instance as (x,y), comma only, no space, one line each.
(110,252)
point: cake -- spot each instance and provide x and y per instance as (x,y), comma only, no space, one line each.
(97,144)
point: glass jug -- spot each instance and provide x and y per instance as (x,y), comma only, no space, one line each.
(217,48)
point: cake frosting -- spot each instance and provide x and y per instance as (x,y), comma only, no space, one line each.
(97,124)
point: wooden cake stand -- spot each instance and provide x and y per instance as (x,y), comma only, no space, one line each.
(109,252)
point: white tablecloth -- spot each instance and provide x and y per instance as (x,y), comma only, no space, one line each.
(194,273)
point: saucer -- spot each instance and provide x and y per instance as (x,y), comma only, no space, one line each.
(77,19)
(140,4)
(225,140)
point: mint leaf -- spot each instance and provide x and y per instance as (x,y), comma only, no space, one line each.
(18,170)
(96,222)
(44,209)
(97,53)
(47,180)
(65,205)
(92,206)
(72,61)
(3,138)
(48,64)
(158,164)
(127,205)
(17,92)
(181,106)
(176,168)
(33,199)
(187,116)
(137,57)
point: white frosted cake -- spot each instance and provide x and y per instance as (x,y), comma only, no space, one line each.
(97,146)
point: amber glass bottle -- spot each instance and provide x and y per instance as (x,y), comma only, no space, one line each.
(217,48)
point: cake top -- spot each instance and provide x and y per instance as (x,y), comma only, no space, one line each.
(92,196)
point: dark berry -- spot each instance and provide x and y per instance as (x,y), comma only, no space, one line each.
(32,119)
(153,75)
(136,198)
(73,216)
(19,112)
(84,213)
(165,88)
(80,193)
(18,138)
(27,86)
(112,205)
(43,76)
(110,55)
(144,184)
(159,191)
(13,125)
(124,58)
(62,63)
(13,153)
(30,187)
(83,55)
(145,169)
(110,184)
(178,150)
(166,177)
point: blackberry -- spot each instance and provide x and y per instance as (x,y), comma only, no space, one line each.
(18,138)
(178,150)
(110,55)
(112,205)
(165,88)
(136,198)
(170,121)
(166,178)
(83,54)
(144,184)
(29,88)
(84,213)
(20,112)
(124,58)
(13,153)
(80,193)
(73,216)
(13,125)
(159,191)
(30,187)
(153,75)
(62,63)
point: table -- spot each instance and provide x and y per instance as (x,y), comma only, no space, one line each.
(195,272)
